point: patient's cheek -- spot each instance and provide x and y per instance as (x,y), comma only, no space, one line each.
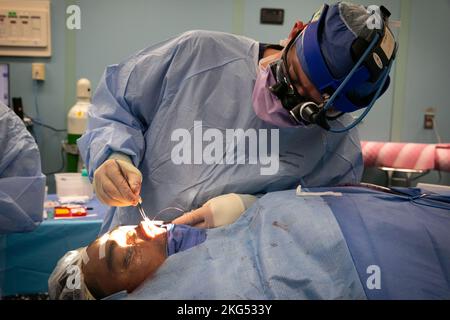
(136,278)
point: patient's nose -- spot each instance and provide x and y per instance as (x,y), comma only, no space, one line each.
(131,236)
(143,232)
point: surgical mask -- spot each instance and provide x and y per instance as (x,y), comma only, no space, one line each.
(277,101)
(266,105)
(183,237)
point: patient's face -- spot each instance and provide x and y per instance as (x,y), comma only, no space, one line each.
(123,258)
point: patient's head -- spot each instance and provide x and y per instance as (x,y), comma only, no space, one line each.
(122,259)
(119,260)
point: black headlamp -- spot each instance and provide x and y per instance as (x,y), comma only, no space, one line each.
(374,61)
(283,89)
(301,109)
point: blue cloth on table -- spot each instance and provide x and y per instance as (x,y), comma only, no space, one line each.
(410,243)
(283,247)
(208,77)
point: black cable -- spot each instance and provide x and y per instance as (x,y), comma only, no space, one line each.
(62,166)
(62,150)
(45,125)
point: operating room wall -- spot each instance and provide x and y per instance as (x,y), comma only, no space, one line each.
(426,81)
(428,71)
(50,94)
(114,29)
(111,30)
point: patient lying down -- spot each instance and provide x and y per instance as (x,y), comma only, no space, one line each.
(123,258)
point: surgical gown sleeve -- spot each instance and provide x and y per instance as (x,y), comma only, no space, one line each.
(124,105)
(22,184)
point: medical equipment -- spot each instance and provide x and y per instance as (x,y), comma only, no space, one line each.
(70,211)
(25,28)
(76,124)
(373,66)
(266,104)
(73,187)
(303,192)
(141,210)
(139,204)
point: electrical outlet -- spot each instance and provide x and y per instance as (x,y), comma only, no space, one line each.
(38,71)
(428,122)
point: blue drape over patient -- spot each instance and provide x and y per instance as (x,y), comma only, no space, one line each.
(22,184)
(408,241)
(283,247)
(208,77)
(290,247)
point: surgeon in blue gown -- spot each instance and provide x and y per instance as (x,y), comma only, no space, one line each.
(203,80)
(22,184)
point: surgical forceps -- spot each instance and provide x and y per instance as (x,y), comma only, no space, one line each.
(139,204)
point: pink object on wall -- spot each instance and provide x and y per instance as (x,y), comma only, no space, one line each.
(406,155)
(443,157)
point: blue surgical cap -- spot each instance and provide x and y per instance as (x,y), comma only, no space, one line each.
(343,24)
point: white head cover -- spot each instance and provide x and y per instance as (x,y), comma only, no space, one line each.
(67,281)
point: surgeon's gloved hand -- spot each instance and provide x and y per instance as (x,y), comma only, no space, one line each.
(219,211)
(118,187)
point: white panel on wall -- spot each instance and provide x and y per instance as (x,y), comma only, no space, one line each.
(25,28)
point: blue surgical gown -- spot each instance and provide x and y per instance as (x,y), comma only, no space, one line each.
(209,77)
(22,184)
